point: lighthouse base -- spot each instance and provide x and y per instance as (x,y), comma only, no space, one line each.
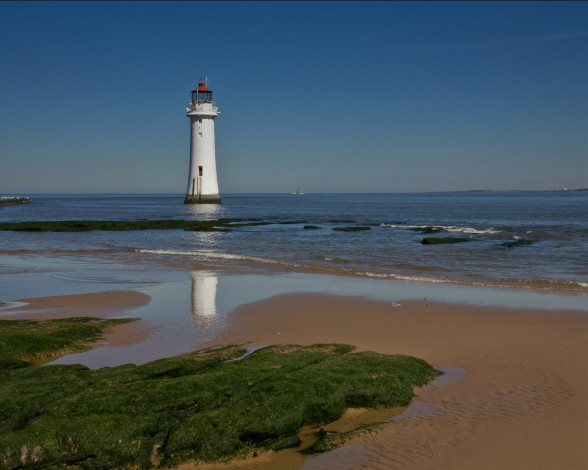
(202,199)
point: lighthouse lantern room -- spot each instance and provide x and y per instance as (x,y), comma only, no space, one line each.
(202,180)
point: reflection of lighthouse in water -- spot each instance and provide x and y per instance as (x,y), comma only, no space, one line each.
(204,297)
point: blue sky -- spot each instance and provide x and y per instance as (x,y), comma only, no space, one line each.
(325,96)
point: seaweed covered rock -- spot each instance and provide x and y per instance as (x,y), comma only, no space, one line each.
(355,228)
(519,242)
(195,407)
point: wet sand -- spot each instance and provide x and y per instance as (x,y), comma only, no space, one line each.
(522,403)
(101,305)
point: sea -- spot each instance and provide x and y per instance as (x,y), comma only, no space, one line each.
(525,249)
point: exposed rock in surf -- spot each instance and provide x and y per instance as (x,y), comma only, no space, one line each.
(11,201)
(351,229)
(520,242)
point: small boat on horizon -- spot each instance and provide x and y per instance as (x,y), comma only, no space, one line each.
(298,192)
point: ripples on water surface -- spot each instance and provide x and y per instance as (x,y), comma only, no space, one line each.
(557,224)
(195,278)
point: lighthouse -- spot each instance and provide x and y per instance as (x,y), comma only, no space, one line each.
(202,181)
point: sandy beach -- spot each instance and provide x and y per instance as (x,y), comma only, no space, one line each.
(521,404)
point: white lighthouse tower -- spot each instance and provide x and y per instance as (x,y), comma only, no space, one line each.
(202,182)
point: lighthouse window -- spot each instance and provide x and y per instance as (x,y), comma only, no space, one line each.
(200,134)
(199,171)
(200,121)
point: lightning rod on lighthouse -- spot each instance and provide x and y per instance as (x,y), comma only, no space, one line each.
(202,180)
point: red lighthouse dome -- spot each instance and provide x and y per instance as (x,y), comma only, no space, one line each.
(201,94)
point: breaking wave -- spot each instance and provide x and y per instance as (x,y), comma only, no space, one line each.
(446,228)
(302,266)
(541,284)
(214,255)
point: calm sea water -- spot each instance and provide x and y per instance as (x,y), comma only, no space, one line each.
(556,223)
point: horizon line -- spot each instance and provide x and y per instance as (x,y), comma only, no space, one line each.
(311,192)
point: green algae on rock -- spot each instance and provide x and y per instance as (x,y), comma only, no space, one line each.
(194,407)
(441,240)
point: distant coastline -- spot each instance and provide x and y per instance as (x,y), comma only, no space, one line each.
(564,190)
(11,200)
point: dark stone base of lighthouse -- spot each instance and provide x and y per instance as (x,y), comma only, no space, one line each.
(202,199)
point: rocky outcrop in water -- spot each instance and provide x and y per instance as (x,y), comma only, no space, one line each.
(441,240)
(519,242)
(11,201)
